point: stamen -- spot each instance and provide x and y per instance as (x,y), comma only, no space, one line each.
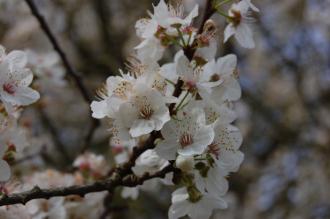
(186,139)
(214,149)
(9,88)
(122,89)
(102,92)
(146,112)
(134,66)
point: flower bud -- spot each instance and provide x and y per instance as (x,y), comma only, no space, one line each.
(185,163)
(209,27)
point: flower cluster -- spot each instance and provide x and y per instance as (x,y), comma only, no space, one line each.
(56,207)
(185,105)
(15,94)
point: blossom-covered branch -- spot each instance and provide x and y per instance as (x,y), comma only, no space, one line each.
(171,121)
(81,190)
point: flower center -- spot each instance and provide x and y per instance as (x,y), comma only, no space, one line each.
(9,88)
(146,112)
(215,77)
(122,89)
(186,139)
(236,17)
(214,149)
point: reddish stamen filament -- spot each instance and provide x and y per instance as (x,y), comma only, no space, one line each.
(9,88)
(186,139)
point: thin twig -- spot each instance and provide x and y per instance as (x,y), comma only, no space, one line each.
(209,11)
(82,88)
(54,135)
(44,26)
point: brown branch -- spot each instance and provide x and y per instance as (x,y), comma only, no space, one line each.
(209,11)
(82,88)
(81,190)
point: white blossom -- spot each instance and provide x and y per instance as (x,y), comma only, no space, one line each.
(224,72)
(12,143)
(47,68)
(203,208)
(145,111)
(116,91)
(186,135)
(194,77)
(214,182)
(158,30)
(15,79)
(149,162)
(240,22)
(225,148)
(165,16)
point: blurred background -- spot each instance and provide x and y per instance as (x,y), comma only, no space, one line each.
(284,113)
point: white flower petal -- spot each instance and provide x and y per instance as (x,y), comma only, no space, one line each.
(227,64)
(141,127)
(99,109)
(167,149)
(229,31)
(16,58)
(244,36)
(4,171)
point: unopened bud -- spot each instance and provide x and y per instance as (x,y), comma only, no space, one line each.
(210,26)
(185,163)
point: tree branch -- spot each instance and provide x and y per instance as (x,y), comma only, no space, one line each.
(83,90)
(209,11)
(81,190)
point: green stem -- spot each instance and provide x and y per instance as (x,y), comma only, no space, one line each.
(181,37)
(183,99)
(169,81)
(221,3)
(223,14)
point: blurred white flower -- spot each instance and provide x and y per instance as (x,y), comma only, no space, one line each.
(5,172)
(47,68)
(95,164)
(165,16)
(214,182)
